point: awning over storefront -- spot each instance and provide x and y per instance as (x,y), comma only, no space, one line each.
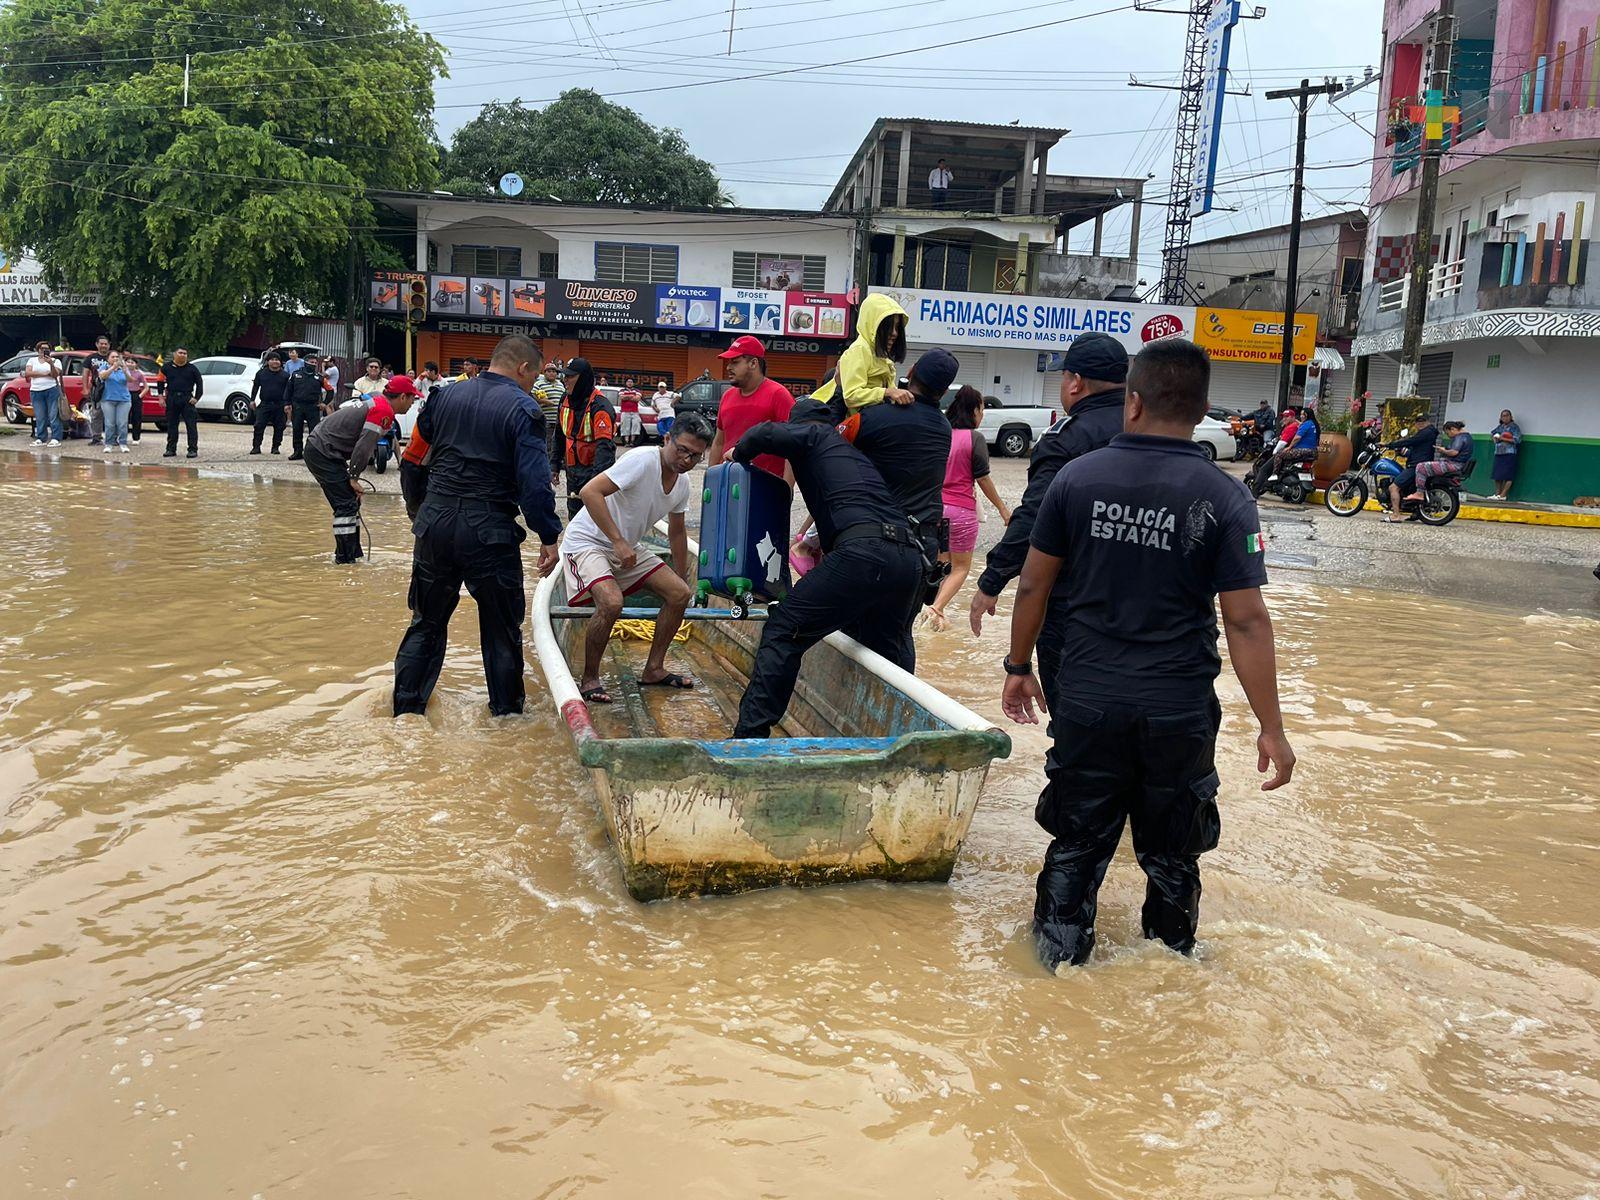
(1326,358)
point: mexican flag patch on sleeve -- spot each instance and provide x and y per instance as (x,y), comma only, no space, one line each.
(1255,543)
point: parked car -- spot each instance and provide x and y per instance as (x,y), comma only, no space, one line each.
(16,399)
(12,367)
(1216,438)
(1012,429)
(703,396)
(226,387)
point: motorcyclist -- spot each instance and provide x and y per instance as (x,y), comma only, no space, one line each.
(1265,421)
(1418,448)
(1301,447)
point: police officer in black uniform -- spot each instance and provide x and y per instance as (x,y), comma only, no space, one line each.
(488,460)
(910,446)
(1094,371)
(1146,534)
(271,386)
(870,572)
(307,401)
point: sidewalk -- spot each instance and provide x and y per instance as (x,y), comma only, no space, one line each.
(1475,508)
(1516,512)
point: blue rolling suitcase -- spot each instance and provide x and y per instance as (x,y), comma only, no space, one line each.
(744,536)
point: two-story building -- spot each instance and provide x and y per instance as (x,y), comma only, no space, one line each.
(1250,271)
(651,293)
(1001,228)
(1512,318)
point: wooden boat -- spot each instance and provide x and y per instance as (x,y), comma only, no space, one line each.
(873,775)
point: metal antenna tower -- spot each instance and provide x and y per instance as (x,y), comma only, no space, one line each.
(1174,287)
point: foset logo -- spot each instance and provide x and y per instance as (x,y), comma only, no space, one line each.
(590,294)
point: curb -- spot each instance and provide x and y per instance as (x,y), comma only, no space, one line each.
(1514,516)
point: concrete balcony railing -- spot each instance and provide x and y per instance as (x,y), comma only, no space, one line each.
(1444,281)
(1081,276)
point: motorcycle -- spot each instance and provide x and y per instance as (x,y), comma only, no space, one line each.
(1370,475)
(1249,444)
(1292,482)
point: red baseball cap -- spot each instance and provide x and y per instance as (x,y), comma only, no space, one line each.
(400,385)
(743,346)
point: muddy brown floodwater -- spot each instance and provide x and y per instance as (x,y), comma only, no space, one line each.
(256,939)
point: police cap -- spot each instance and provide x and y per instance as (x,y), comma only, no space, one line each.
(1097,356)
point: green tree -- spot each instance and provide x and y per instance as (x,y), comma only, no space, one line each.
(582,148)
(193,220)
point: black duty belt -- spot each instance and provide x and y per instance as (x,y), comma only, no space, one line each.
(472,503)
(882,531)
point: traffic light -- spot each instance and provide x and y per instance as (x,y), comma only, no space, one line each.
(417,302)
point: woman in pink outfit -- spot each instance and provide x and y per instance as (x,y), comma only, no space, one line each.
(967,466)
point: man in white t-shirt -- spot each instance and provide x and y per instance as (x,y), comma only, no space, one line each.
(601,557)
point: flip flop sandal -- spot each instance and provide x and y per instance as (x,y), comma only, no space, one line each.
(670,680)
(597,694)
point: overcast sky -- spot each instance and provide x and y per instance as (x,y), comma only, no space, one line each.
(781,141)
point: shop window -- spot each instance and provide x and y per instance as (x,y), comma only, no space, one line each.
(635,262)
(489,261)
(780,271)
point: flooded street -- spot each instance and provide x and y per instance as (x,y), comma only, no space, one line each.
(258,939)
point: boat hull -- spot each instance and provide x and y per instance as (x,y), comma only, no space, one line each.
(686,821)
(879,777)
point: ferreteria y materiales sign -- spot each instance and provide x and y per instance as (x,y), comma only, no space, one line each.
(638,337)
(23,286)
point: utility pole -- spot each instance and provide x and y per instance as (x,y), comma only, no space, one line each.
(1427,199)
(1302,103)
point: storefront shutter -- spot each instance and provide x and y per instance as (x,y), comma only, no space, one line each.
(454,348)
(1433,381)
(1383,379)
(1243,386)
(644,364)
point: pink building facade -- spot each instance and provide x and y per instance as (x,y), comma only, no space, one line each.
(1513,312)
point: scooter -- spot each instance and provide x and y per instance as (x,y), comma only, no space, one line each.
(1292,483)
(1372,473)
(385,449)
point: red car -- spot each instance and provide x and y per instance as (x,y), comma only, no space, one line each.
(16,399)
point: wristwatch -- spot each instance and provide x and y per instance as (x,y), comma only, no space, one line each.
(1017,668)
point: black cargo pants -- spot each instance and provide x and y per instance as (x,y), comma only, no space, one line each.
(413,487)
(1114,765)
(476,543)
(862,587)
(182,411)
(333,474)
(576,478)
(304,418)
(269,416)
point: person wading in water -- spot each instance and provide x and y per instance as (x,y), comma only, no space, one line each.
(1147,534)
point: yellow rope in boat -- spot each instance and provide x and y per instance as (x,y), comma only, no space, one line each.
(645,631)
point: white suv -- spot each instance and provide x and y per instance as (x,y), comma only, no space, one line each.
(226,390)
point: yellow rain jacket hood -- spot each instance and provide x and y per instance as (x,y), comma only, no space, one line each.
(862,374)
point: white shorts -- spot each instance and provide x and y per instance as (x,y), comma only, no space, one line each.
(631,425)
(585,568)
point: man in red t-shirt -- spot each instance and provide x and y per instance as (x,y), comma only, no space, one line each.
(753,399)
(629,425)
